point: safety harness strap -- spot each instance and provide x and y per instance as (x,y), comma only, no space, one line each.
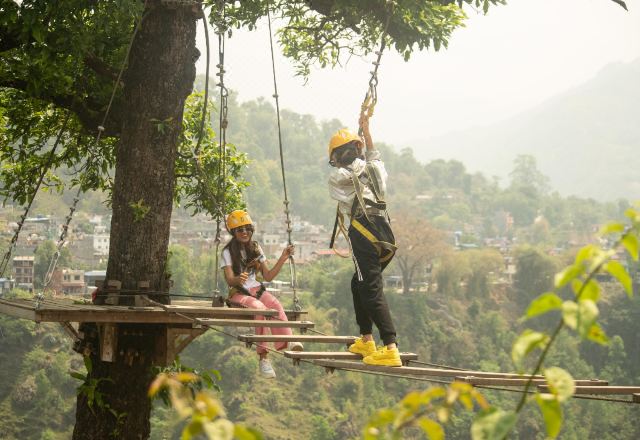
(384,249)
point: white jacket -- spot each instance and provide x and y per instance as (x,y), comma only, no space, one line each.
(341,186)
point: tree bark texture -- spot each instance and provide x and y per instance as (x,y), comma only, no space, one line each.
(159,77)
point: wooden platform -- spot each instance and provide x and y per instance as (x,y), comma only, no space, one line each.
(415,371)
(65,310)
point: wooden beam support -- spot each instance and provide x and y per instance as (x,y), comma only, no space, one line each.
(70,330)
(629,390)
(108,342)
(178,338)
(415,371)
(636,398)
(255,323)
(337,355)
(493,381)
(298,338)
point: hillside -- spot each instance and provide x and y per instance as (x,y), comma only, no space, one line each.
(586,139)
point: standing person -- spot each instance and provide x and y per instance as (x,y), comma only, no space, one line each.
(358,183)
(242,260)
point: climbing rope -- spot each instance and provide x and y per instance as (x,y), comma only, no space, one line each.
(223,122)
(276,96)
(14,240)
(371,97)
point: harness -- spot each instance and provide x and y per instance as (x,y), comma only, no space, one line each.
(242,291)
(364,207)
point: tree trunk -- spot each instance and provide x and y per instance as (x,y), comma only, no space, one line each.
(159,78)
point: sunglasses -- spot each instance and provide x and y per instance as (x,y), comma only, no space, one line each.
(241,229)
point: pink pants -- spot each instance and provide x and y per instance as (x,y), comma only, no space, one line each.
(266,301)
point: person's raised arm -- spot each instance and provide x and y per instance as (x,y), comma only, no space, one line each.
(366,134)
(269,274)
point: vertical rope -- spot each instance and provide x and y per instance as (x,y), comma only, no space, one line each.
(292,266)
(223,122)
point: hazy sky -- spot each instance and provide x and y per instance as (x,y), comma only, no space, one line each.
(500,64)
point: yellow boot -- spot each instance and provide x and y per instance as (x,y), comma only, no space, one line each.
(385,357)
(363,348)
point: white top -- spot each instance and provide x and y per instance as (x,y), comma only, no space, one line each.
(251,279)
(341,186)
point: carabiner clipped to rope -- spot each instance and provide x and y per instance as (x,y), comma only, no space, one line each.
(371,97)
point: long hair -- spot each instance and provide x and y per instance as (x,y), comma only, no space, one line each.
(239,264)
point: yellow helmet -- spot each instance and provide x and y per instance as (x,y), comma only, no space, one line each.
(238,218)
(342,137)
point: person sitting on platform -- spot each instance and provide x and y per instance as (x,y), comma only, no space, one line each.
(242,260)
(358,182)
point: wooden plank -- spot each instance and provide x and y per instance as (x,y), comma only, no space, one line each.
(598,390)
(108,342)
(522,382)
(298,338)
(220,311)
(415,371)
(256,323)
(17,310)
(339,355)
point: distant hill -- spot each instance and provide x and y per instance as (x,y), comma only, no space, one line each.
(587,140)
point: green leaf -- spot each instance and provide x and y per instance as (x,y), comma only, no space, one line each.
(585,253)
(590,290)
(587,315)
(525,343)
(551,412)
(493,424)
(561,384)
(618,271)
(433,429)
(543,304)
(569,273)
(570,314)
(610,228)
(221,429)
(596,334)
(243,433)
(77,375)
(631,244)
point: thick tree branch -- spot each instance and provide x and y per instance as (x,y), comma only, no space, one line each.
(100,67)
(88,111)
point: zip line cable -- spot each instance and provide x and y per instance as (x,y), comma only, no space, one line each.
(292,266)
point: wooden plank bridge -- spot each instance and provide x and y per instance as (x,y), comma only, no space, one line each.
(185,320)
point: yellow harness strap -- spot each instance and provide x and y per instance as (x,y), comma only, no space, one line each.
(384,249)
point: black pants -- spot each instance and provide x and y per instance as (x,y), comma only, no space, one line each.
(369,301)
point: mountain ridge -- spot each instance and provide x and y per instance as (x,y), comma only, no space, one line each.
(592,126)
